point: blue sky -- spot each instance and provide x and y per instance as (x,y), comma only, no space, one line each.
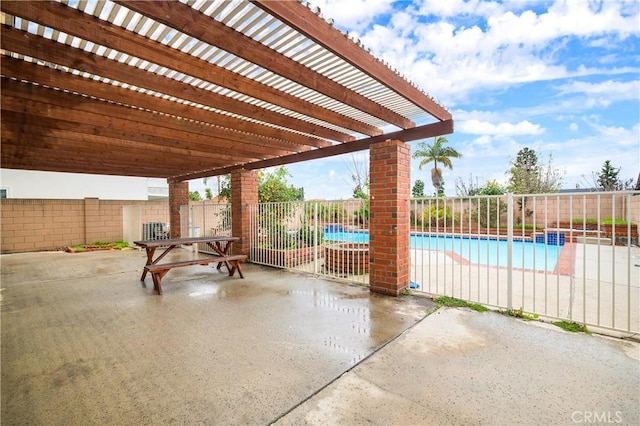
(560,77)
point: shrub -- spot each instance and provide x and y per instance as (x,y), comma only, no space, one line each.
(305,236)
(439,217)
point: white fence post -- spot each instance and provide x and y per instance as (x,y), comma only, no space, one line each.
(315,238)
(509,251)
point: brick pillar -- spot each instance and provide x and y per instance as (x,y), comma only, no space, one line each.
(389,174)
(244,193)
(178,196)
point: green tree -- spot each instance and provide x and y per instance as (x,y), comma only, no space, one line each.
(438,153)
(487,210)
(492,187)
(609,178)
(224,192)
(418,189)
(194,196)
(273,187)
(524,172)
(527,176)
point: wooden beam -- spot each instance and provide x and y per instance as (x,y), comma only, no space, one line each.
(421,132)
(191,134)
(16,157)
(61,104)
(46,137)
(37,47)
(202,27)
(299,17)
(79,24)
(53,127)
(278,138)
(90,154)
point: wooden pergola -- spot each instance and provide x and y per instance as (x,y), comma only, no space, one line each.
(190,89)
(182,90)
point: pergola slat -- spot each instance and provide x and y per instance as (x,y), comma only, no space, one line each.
(196,88)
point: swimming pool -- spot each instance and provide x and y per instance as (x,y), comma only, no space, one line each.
(483,251)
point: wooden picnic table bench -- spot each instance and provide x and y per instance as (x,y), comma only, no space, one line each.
(221,245)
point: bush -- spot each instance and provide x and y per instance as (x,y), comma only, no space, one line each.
(487,211)
(439,217)
(279,237)
(305,236)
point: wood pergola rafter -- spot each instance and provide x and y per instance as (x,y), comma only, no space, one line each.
(185,90)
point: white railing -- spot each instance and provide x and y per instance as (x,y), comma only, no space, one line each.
(205,219)
(321,237)
(560,256)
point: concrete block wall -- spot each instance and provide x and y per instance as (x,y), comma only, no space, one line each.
(35,225)
(29,225)
(564,207)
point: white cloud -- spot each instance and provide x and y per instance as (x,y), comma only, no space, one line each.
(607,90)
(358,15)
(503,69)
(617,136)
(478,127)
(450,59)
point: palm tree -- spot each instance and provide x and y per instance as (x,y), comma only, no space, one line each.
(438,153)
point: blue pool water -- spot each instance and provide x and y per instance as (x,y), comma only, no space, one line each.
(492,252)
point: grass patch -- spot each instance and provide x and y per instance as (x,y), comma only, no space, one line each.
(457,303)
(519,313)
(605,221)
(571,326)
(99,245)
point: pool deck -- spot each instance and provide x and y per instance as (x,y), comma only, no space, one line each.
(591,284)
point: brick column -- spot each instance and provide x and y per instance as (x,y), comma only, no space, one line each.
(178,196)
(390,163)
(244,193)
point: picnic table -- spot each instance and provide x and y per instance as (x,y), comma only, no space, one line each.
(221,246)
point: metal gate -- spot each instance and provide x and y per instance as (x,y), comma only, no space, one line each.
(205,219)
(328,238)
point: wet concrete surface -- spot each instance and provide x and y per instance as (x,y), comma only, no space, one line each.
(83,342)
(462,367)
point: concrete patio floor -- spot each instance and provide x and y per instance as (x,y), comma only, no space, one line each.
(83,342)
